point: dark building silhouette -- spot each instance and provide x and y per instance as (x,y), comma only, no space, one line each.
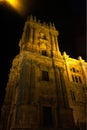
(46,90)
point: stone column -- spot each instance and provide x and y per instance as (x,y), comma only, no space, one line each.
(32,82)
(63,88)
(53,43)
(65,113)
(58,87)
(56,43)
(26,33)
(52,40)
(34,39)
(24,82)
(31,35)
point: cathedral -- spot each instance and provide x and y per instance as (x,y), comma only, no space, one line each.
(46,90)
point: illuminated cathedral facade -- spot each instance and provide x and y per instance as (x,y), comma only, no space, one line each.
(46,90)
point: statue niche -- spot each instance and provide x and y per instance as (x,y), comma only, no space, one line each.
(42,41)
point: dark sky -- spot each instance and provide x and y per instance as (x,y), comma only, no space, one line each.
(68,17)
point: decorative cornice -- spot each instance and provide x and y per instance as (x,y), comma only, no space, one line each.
(33,19)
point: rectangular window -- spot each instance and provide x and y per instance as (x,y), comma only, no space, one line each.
(73,78)
(76,79)
(44,52)
(73,69)
(45,75)
(47,117)
(80,79)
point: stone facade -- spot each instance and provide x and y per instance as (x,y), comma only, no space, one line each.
(46,90)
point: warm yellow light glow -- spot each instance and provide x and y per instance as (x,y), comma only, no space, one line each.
(1,0)
(21,6)
(16,4)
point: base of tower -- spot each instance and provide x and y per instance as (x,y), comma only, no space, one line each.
(65,117)
(65,121)
(44,129)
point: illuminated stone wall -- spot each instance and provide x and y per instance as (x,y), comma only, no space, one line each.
(45,89)
(76,84)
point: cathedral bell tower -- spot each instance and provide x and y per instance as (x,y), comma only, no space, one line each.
(40,38)
(36,97)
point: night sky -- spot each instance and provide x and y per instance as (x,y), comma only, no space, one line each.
(69,17)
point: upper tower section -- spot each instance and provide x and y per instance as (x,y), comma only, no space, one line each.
(40,38)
